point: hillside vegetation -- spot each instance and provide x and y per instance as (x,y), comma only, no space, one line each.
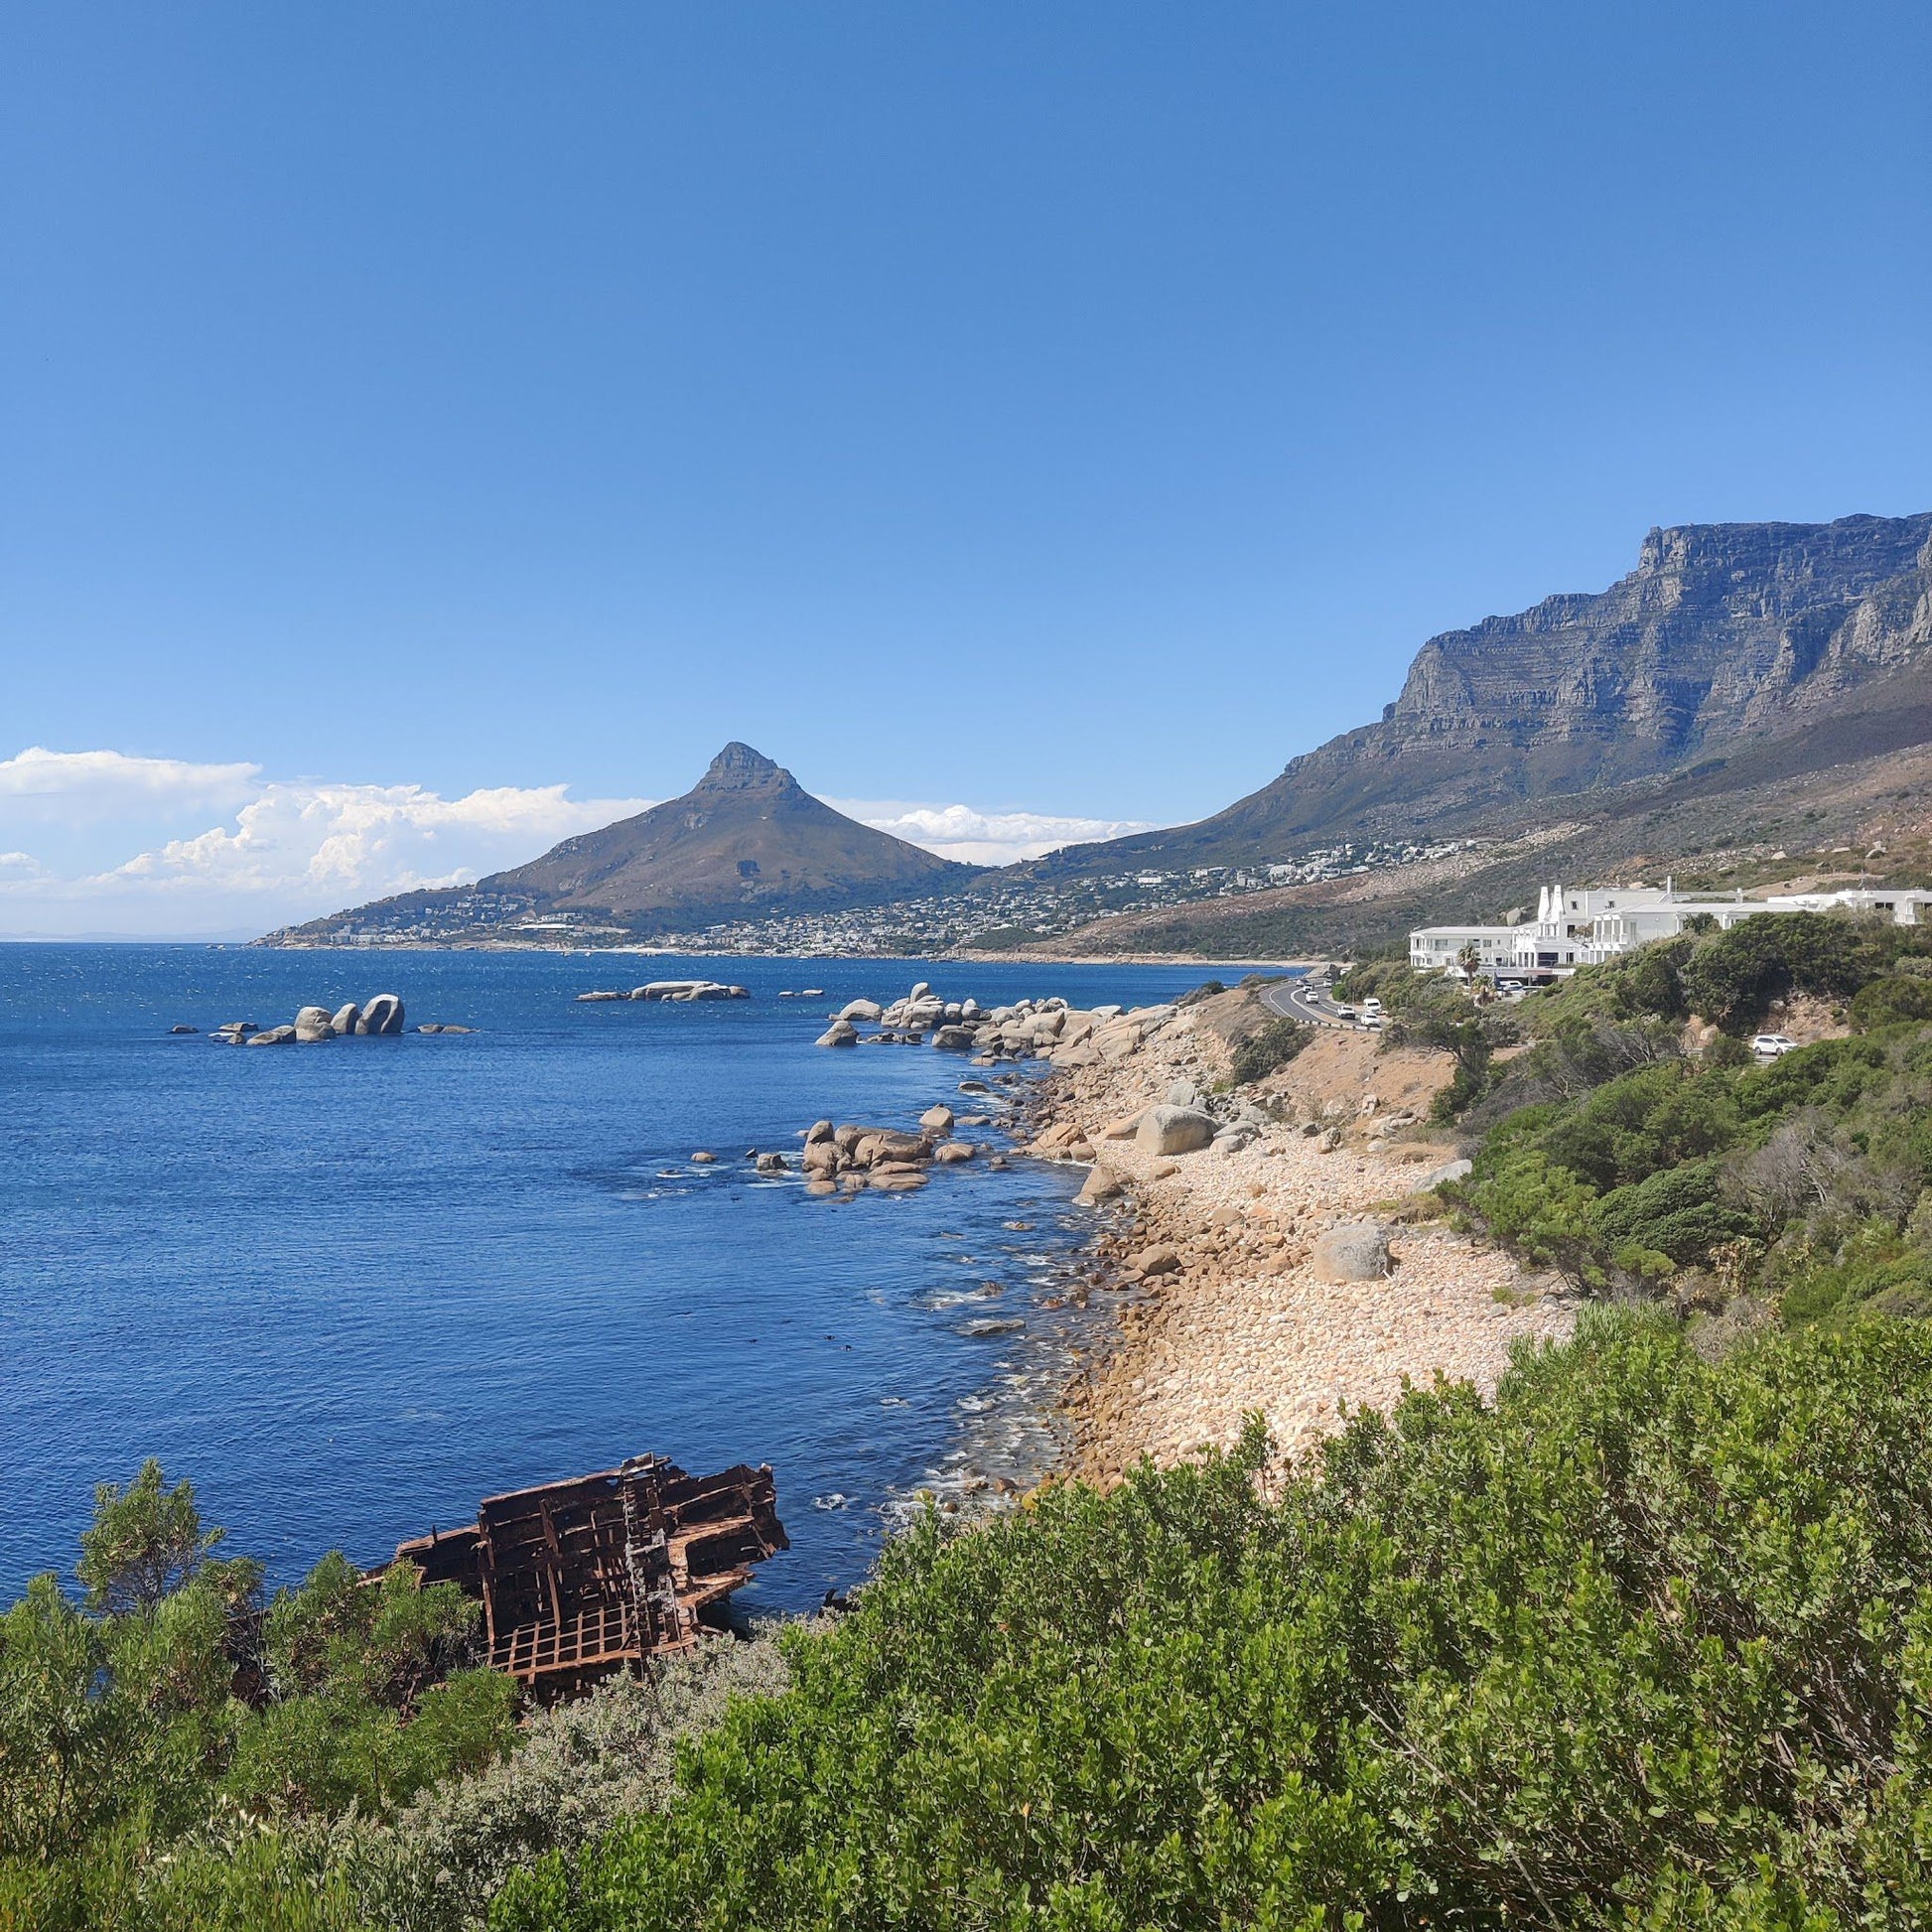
(1629,1150)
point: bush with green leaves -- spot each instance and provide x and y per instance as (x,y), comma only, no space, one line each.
(1810,1159)
(1646,1643)
(169,1712)
(1268,1048)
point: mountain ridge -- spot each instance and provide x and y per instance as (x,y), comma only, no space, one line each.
(746,839)
(1723,635)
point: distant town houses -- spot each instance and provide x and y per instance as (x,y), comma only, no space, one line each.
(997,905)
(1586,925)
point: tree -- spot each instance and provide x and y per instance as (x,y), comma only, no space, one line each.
(60,1728)
(145,1541)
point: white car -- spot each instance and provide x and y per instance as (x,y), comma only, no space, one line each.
(1770,1045)
(1344,1013)
(1371,1009)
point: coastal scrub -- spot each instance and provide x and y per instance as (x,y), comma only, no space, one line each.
(1645,1642)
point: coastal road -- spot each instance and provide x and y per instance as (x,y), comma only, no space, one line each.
(1298,999)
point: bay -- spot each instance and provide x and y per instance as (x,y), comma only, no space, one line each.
(349,1289)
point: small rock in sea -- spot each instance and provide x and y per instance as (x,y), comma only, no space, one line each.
(991,1325)
(274,1037)
(841,1032)
(184,1029)
(974,1086)
(998,1162)
(951,1152)
(703,1158)
(1018,1227)
(936,1120)
(772,1163)
(819,1130)
(835,1500)
(585,999)
(821,1187)
(429,1026)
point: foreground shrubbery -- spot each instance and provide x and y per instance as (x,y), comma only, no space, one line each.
(170,1708)
(1648,1644)
(1645,1643)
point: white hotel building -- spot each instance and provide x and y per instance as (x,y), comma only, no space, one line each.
(1585,925)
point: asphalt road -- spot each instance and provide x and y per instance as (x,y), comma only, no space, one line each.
(1296,999)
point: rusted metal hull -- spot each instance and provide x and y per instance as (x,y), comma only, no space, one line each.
(604,1571)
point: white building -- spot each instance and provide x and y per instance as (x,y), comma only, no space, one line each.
(1585,925)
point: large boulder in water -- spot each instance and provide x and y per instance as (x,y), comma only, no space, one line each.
(314,1023)
(381,1015)
(345,1018)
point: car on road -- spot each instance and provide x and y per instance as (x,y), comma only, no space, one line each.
(1770,1045)
(1345,1013)
(1371,1009)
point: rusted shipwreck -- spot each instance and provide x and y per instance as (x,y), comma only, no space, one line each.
(604,1571)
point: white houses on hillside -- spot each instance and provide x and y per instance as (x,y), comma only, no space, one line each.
(1585,925)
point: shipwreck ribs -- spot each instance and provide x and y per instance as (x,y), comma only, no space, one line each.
(602,1573)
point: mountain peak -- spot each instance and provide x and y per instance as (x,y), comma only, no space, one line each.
(738,768)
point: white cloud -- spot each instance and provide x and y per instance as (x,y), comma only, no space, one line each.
(71,786)
(288,850)
(982,838)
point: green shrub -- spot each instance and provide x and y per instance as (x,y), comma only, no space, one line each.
(1888,1002)
(1268,1048)
(1647,1643)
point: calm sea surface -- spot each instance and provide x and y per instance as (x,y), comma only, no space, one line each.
(350,1289)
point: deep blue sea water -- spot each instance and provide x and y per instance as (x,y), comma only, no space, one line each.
(350,1289)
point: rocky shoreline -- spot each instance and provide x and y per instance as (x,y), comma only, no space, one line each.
(1295,1268)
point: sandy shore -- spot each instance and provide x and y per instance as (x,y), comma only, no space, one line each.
(1242,1323)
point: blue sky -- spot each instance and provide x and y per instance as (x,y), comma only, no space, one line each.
(1061,413)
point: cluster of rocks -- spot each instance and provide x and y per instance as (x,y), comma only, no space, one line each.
(1025,1030)
(672,989)
(381,1015)
(851,1160)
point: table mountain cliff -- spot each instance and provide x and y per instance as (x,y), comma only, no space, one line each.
(746,840)
(1726,636)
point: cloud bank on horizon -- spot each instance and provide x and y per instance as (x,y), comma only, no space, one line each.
(106,842)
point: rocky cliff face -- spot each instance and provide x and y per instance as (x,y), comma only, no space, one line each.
(1724,635)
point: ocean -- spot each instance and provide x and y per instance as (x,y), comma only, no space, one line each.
(350,1289)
